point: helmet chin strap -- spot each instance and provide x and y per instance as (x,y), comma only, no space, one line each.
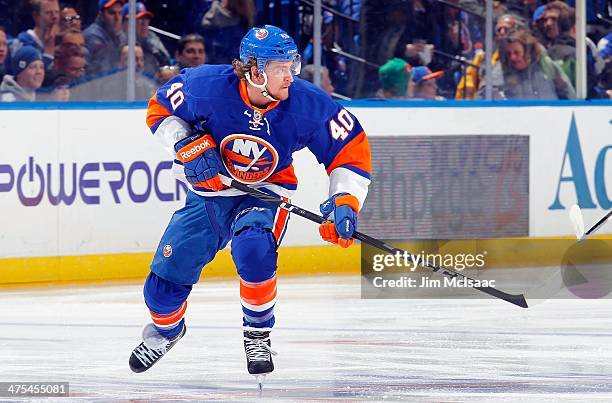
(261,87)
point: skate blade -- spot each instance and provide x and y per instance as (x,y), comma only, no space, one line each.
(260,381)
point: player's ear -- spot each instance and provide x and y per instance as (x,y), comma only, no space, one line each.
(255,76)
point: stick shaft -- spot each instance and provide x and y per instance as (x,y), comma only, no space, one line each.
(516,299)
(599,223)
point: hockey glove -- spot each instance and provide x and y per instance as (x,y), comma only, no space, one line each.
(201,161)
(342,209)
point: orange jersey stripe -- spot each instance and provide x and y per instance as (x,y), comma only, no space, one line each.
(355,153)
(255,293)
(155,112)
(171,317)
(287,175)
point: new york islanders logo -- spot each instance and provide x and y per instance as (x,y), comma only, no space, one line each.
(247,158)
(261,34)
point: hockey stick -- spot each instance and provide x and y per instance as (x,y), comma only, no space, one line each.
(516,299)
(578,222)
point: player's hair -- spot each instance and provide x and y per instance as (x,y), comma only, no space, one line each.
(185,39)
(240,68)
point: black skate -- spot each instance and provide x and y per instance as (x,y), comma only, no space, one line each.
(145,355)
(257,347)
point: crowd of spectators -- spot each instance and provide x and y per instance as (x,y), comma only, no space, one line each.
(91,63)
(391,49)
(534,54)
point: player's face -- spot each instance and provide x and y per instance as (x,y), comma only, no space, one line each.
(31,78)
(280,78)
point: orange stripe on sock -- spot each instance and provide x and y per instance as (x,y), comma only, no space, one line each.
(258,293)
(170,318)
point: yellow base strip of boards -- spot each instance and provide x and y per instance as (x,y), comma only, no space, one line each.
(293,260)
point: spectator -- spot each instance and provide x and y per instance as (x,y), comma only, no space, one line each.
(424,85)
(603,89)
(529,73)
(155,53)
(308,72)
(394,76)
(67,68)
(190,51)
(138,56)
(113,86)
(69,19)
(46,25)
(224,25)
(165,73)
(29,73)
(556,22)
(105,36)
(473,79)
(70,36)
(3,53)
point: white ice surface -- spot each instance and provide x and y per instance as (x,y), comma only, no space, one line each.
(332,346)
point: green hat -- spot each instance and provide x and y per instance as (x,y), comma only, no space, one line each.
(394,75)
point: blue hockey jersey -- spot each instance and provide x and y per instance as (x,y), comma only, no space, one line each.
(256,145)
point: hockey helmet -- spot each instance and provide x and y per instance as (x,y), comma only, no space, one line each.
(269,43)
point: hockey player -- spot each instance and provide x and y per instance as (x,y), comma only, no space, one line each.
(244,121)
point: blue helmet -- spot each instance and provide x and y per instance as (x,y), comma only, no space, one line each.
(269,43)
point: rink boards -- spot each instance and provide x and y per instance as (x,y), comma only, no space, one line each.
(86,192)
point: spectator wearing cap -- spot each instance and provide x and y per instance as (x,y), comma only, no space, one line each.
(104,37)
(529,73)
(307,73)
(393,77)
(155,53)
(69,19)
(424,84)
(190,51)
(3,53)
(29,73)
(45,14)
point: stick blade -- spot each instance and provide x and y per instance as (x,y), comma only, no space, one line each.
(577,221)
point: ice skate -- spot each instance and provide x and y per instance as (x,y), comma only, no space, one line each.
(257,347)
(153,347)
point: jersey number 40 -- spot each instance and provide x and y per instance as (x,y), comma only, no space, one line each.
(175,95)
(340,126)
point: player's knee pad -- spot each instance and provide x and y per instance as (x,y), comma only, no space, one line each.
(254,253)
